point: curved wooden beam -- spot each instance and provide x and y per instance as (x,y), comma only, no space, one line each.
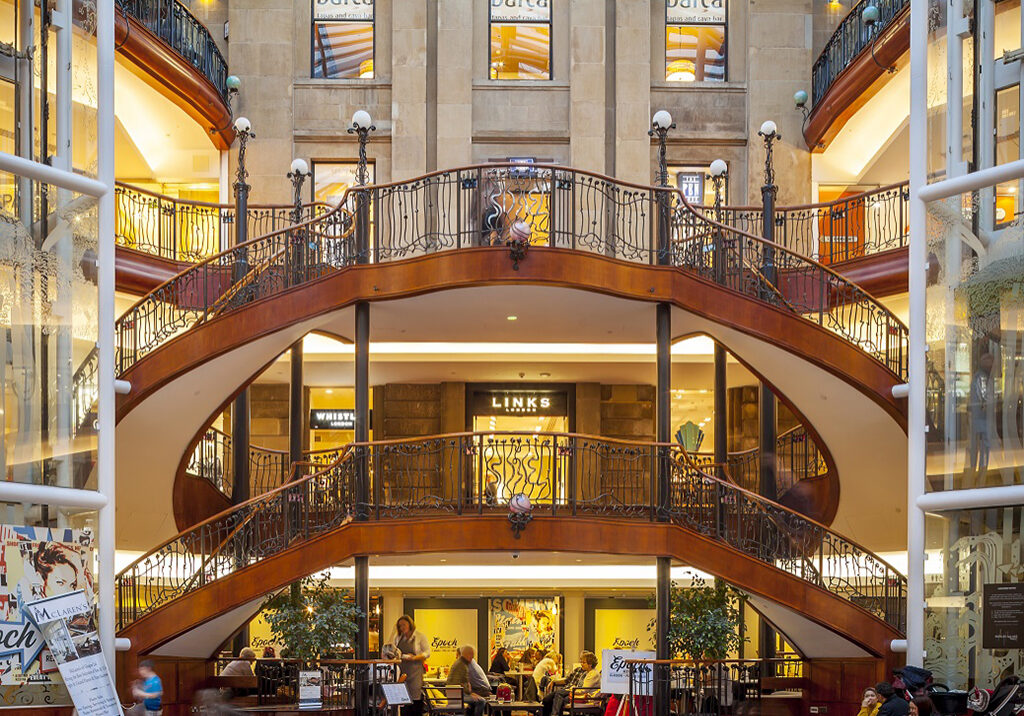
(491,266)
(489,533)
(857,84)
(882,274)
(139,272)
(171,75)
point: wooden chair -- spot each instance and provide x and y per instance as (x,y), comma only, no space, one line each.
(584,701)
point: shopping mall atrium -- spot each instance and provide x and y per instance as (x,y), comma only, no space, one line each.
(442,356)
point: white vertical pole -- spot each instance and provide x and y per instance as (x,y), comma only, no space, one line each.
(916,355)
(107,369)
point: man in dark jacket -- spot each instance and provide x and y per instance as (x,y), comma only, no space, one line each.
(893,704)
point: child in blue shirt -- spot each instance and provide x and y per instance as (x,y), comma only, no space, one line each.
(148,689)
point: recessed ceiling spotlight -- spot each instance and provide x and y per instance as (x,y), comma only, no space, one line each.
(512,318)
(545,375)
(329,391)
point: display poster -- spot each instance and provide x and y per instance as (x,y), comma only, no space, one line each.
(520,10)
(622,629)
(516,624)
(447,629)
(341,10)
(1003,616)
(396,694)
(615,674)
(260,636)
(310,683)
(36,563)
(68,623)
(694,12)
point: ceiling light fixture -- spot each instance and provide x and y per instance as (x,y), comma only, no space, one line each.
(512,318)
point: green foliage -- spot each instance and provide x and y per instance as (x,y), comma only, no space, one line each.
(703,620)
(313,621)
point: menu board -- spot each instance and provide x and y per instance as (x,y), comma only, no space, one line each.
(516,624)
(1003,616)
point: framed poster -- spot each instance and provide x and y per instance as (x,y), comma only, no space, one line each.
(447,630)
(623,629)
(1002,616)
(517,623)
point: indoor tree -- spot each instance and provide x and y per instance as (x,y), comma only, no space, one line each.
(314,619)
(704,620)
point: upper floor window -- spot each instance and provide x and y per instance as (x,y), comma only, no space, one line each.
(342,39)
(520,39)
(695,34)
(693,182)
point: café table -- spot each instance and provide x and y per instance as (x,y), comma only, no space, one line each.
(497,708)
(519,677)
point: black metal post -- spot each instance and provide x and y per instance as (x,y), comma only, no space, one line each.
(767,437)
(664,207)
(362,426)
(362,646)
(361,127)
(718,181)
(241,265)
(721,429)
(297,245)
(663,597)
(663,417)
(296,416)
(768,193)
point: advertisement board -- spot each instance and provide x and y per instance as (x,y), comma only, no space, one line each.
(36,563)
(342,10)
(695,12)
(615,674)
(623,629)
(516,623)
(447,629)
(1003,616)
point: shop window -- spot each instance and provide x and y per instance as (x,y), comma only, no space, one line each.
(1007,149)
(520,32)
(342,39)
(331,179)
(695,40)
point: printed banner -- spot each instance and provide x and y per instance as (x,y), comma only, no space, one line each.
(340,10)
(447,629)
(36,563)
(68,622)
(519,623)
(691,184)
(695,12)
(520,11)
(310,683)
(615,675)
(622,629)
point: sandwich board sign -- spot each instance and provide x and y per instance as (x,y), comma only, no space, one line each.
(615,673)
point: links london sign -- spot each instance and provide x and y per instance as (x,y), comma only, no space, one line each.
(519,402)
(695,12)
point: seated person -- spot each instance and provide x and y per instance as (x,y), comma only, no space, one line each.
(458,675)
(586,676)
(478,680)
(548,666)
(499,664)
(242,666)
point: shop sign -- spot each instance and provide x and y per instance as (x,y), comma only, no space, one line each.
(342,10)
(1003,616)
(622,629)
(691,184)
(447,629)
(695,12)
(333,419)
(615,672)
(520,11)
(520,402)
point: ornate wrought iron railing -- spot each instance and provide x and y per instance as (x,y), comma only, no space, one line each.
(184,33)
(797,458)
(520,207)
(191,231)
(851,38)
(836,231)
(708,688)
(277,681)
(466,473)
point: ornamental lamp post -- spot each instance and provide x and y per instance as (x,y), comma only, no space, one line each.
(661,123)
(296,247)
(362,125)
(243,130)
(232,84)
(718,172)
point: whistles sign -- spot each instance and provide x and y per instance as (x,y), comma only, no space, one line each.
(695,12)
(341,10)
(520,11)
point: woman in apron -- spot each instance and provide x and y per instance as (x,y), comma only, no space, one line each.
(414,650)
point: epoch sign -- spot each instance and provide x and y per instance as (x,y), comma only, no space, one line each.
(1003,616)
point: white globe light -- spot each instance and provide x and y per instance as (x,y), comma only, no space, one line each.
(662,119)
(242,124)
(362,119)
(768,128)
(520,504)
(299,166)
(718,168)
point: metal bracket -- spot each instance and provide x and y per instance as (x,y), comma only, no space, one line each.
(519,521)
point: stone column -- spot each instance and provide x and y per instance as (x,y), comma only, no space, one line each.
(454,80)
(409,90)
(632,90)
(587,85)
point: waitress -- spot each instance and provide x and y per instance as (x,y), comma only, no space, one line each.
(414,650)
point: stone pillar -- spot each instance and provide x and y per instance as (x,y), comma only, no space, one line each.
(409,91)
(454,80)
(632,91)
(587,85)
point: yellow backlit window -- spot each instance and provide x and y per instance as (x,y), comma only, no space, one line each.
(695,41)
(520,40)
(342,39)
